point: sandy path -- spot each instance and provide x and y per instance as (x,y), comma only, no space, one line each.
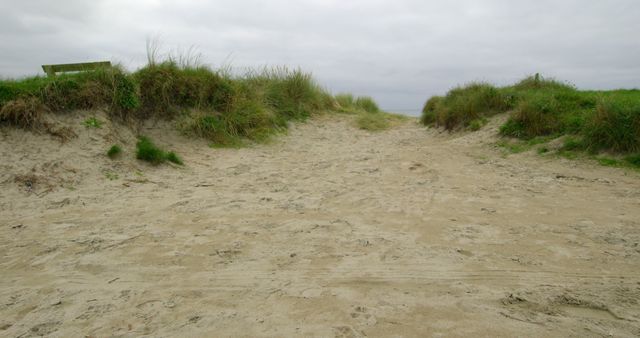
(329,231)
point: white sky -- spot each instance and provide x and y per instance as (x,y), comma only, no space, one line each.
(400,52)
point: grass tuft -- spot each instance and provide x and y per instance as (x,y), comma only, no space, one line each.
(24,112)
(149,152)
(172,157)
(477,124)
(633,160)
(367,104)
(92,122)
(346,102)
(114,151)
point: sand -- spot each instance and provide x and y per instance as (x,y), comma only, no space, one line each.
(327,231)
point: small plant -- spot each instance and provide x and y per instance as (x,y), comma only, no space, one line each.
(23,112)
(633,160)
(572,144)
(609,162)
(477,124)
(92,122)
(148,151)
(513,147)
(111,175)
(114,151)
(346,102)
(543,150)
(173,158)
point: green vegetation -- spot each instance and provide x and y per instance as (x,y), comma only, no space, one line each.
(114,151)
(92,122)
(464,105)
(109,88)
(111,175)
(24,112)
(543,150)
(633,160)
(254,107)
(347,103)
(368,115)
(148,151)
(540,108)
(224,108)
(173,158)
(519,146)
(477,124)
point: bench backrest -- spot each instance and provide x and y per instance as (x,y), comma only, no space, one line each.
(51,70)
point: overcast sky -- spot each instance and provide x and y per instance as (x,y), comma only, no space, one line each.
(398,51)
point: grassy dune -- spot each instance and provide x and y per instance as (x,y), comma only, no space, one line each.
(225,109)
(593,122)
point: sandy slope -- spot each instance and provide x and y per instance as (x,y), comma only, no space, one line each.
(328,231)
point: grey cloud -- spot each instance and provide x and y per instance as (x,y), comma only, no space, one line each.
(400,52)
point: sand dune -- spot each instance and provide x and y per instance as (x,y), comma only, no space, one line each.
(326,231)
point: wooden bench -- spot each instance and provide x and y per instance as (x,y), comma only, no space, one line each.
(51,70)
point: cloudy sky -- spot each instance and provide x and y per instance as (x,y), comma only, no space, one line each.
(398,51)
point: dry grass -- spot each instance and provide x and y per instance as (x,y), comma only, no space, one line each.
(25,112)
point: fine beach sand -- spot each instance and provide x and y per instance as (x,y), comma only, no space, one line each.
(327,231)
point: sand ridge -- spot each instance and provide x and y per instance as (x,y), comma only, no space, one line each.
(327,231)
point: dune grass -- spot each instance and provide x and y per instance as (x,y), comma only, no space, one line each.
(147,151)
(347,103)
(368,115)
(597,121)
(92,122)
(464,106)
(226,109)
(114,151)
